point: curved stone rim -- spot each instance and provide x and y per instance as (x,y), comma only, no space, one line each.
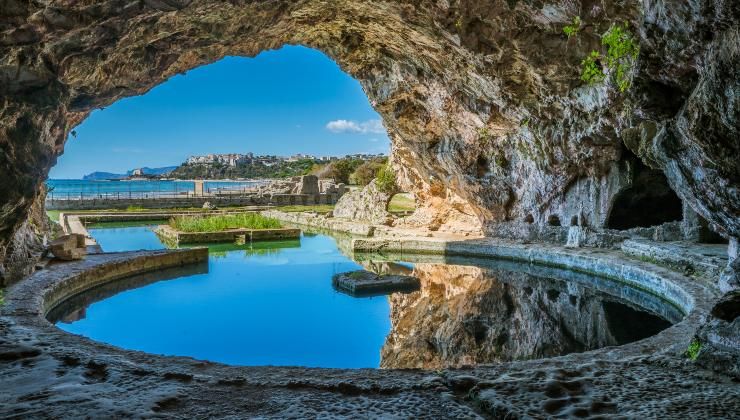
(29,301)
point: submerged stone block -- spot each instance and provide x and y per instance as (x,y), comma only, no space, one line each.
(367,283)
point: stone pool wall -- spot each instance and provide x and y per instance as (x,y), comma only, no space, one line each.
(173,202)
(119,266)
(175,236)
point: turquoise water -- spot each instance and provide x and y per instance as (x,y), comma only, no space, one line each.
(272,303)
(73,188)
(130,238)
(259,305)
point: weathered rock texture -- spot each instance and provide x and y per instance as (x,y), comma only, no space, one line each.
(467,315)
(482,100)
(369,204)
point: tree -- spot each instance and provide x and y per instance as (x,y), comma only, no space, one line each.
(367,171)
(341,170)
(386,179)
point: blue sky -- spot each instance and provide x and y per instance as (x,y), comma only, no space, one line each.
(292,100)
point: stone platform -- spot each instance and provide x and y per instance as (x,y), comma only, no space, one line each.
(365,283)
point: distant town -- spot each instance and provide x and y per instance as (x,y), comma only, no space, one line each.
(236,159)
(242,166)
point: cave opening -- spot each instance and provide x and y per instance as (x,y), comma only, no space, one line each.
(284,113)
(402,204)
(648,202)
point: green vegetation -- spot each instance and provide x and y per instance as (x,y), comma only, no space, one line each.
(252,170)
(2,297)
(694,348)
(318,208)
(458,24)
(621,52)
(402,202)
(591,72)
(367,171)
(53,215)
(135,208)
(386,179)
(218,223)
(573,28)
(339,170)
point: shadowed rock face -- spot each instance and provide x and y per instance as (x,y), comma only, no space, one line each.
(482,100)
(466,315)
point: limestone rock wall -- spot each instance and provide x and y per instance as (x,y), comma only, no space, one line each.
(368,204)
(483,100)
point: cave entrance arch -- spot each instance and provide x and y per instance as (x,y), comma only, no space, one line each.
(236,118)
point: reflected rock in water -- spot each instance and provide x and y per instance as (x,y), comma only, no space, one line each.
(466,315)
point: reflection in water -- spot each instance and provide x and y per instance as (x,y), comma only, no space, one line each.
(273,303)
(466,315)
(75,308)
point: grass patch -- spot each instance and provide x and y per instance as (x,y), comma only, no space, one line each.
(694,348)
(219,223)
(320,208)
(53,215)
(401,203)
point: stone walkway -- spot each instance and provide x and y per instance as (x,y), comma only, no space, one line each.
(45,372)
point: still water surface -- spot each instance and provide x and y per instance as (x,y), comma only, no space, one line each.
(272,303)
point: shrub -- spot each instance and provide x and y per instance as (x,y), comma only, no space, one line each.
(340,170)
(591,72)
(386,179)
(218,223)
(367,171)
(694,348)
(573,28)
(621,52)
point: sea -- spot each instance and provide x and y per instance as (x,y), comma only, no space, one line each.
(76,188)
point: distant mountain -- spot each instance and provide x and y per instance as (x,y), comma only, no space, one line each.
(100,176)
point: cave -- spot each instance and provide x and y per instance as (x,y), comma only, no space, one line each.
(650,201)
(452,81)
(553,220)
